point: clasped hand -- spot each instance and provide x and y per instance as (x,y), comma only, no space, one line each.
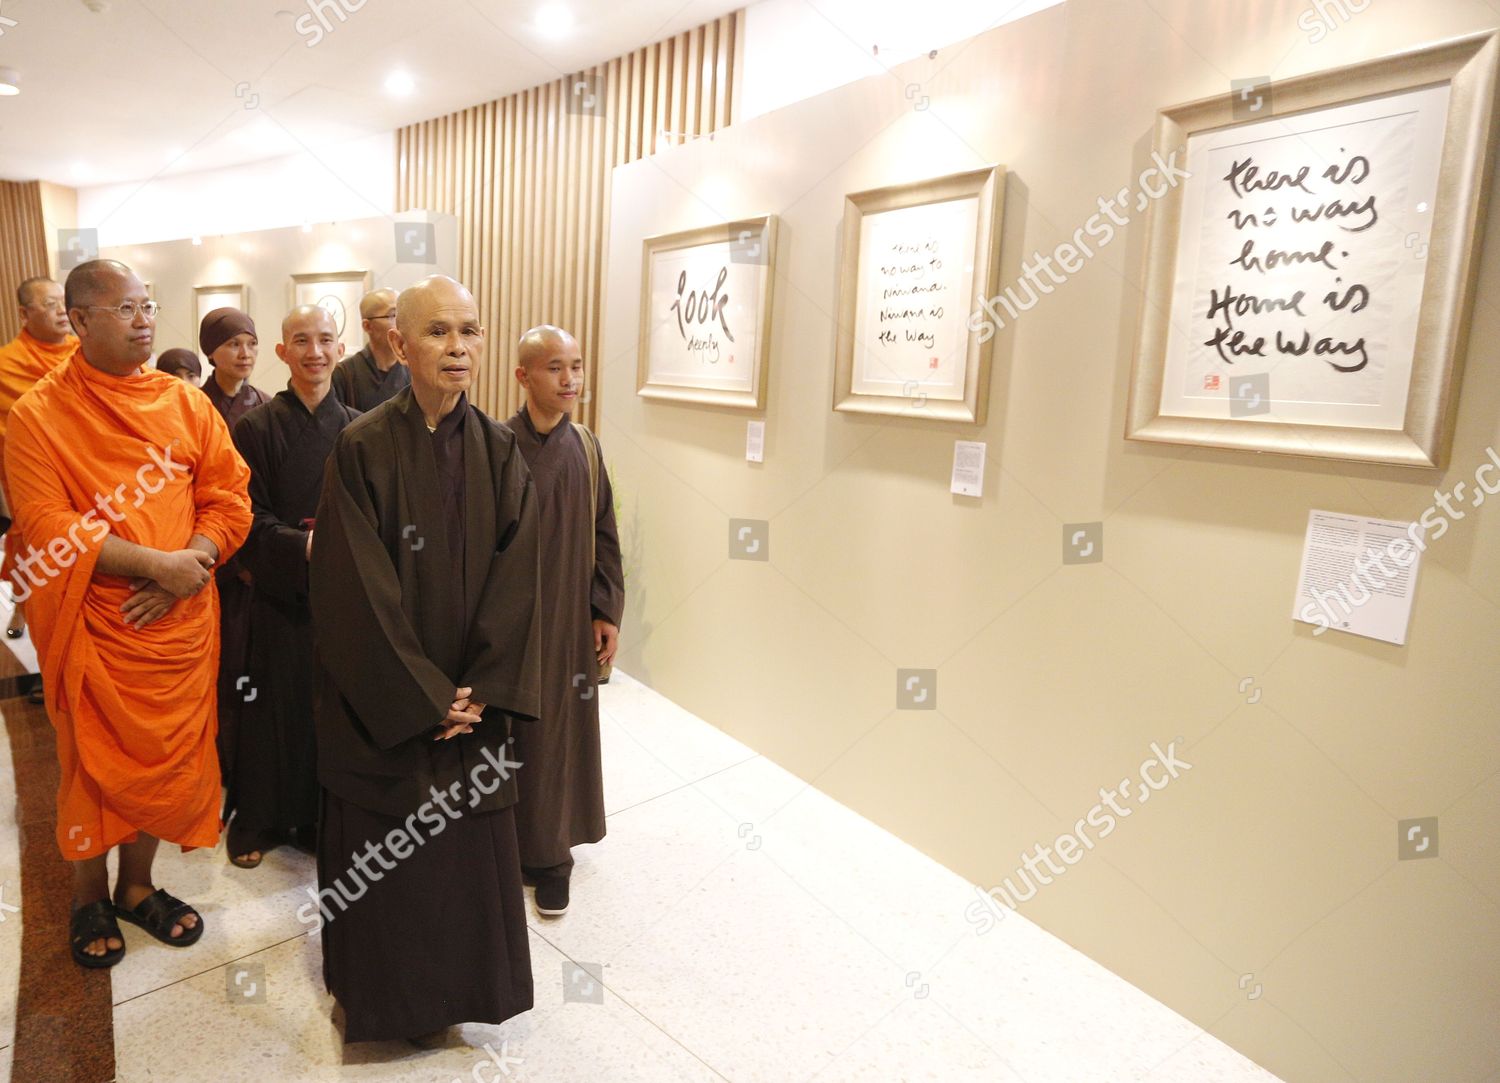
(181,574)
(462,715)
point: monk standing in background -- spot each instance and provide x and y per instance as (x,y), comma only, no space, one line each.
(46,341)
(581,597)
(183,364)
(375,374)
(127,491)
(227,338)
(273,785)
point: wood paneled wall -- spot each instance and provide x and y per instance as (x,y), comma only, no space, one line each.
(23,247)
(528,178)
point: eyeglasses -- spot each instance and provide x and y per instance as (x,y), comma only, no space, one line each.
(128,309)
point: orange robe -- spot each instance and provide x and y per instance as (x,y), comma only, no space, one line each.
(149,459)
(24,360)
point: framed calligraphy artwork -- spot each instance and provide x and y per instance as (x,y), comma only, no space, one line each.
(1308,285)
(705,332)
(917,259)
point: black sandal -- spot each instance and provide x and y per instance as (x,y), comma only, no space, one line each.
(96,921)
(158,912)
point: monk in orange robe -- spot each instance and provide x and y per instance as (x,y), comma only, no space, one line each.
(128,490)
(46,341)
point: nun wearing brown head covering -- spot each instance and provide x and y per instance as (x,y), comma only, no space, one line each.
(227,338)
(181,363)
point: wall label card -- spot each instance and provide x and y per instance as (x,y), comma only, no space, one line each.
(968,468)
(755,442)
(1358,575)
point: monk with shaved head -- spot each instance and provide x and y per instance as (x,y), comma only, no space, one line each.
(375,374)
(45,341)
(561,803)
(129,492)
(270,768)
(424,595)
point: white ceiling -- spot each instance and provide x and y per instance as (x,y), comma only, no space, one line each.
(172,86)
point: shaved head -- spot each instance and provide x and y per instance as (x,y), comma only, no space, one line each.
(94,280)
(438,337)
(432,292)
(25,293)
(376,302)
(307,316)
(542,343)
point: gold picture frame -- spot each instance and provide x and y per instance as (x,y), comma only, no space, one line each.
(697,287)
(208,298)
(877,368)
(340,292)
(1446,95)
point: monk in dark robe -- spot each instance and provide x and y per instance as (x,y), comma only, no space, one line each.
(273,785)
(183,364)
(582,597)
(375,374)
(423,589)
(127,491)
(227,338)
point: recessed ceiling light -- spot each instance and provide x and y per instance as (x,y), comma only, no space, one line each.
(400,84)
(10,82)
(554,20)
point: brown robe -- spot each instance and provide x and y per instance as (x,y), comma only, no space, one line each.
(561,778)
(423,580)
(358,381)
(272,779)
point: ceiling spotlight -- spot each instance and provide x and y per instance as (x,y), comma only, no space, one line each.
(554,20)
(400,84)
(10,82)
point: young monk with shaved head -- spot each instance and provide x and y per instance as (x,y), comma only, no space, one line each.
(424,582)
(561,803)
(128,492)
(272,779)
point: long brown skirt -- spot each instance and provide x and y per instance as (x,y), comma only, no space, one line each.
(438,940)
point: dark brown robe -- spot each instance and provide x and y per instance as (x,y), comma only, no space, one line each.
(273,782)
(234,596)
(561,778)
(423,580)
(358,381)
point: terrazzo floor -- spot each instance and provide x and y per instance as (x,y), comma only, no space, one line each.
(708,940)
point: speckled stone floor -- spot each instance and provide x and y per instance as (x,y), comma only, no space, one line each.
(734,925)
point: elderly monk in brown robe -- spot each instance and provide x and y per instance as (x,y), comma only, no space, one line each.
(582,597)
(423,592)
(273,780)
(375,374)
(227,338)
(127,491)
(44,342)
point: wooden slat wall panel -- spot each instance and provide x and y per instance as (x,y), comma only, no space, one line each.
(527,176)
(23,247)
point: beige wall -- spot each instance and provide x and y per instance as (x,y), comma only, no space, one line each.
(59,211)
(1275,855)
(264,261)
